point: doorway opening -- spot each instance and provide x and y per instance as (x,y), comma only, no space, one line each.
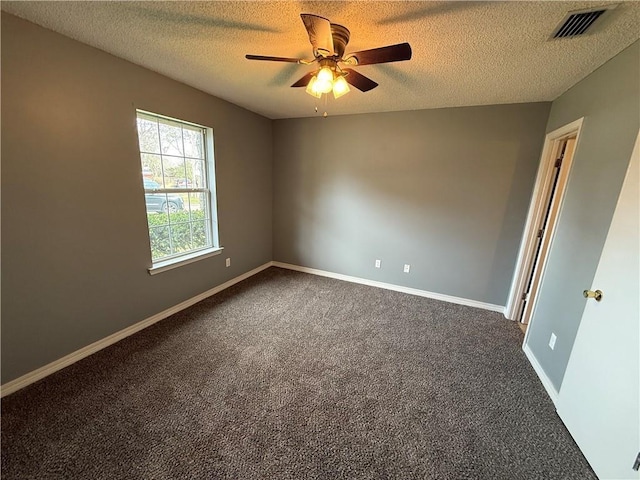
(551,181)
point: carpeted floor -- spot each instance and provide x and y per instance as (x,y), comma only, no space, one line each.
(293,376)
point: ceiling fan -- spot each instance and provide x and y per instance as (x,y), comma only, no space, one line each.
(329,41)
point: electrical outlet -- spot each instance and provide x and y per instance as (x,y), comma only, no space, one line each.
(377,263)
(228,262)
(552,341)
(407,267)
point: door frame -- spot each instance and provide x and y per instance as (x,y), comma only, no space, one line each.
(537,209)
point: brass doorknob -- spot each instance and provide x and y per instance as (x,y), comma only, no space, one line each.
(591,294)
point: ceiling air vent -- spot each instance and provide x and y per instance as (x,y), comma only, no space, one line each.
(577,23)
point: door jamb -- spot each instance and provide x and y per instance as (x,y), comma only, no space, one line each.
(536,211)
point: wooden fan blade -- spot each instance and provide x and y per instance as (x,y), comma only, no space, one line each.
(362,83)
(319,30)
(390,53)
(273,59)
(304,81)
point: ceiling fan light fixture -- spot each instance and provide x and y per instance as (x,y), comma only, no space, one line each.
(325,74)
(323,87)
(329,41)
(311,87)
(323,83)
(340,87)
(326,81)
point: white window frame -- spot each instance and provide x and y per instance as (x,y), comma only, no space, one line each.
(209,190)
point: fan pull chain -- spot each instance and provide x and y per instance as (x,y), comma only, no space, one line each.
(325,114)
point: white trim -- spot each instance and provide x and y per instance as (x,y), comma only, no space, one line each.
(546,383)
(537,209)
(40,373)
(184,260)
(390,286)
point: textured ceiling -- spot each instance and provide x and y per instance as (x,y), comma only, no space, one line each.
(464,53)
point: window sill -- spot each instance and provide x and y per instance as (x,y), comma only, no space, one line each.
(178,262)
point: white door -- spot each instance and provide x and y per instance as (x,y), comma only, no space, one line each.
(599,400)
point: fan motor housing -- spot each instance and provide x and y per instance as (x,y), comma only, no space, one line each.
(340,36)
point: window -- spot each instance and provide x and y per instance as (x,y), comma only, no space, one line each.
(179,189)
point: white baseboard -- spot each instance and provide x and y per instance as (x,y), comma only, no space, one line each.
(390,286)
(546,383)
(34,376)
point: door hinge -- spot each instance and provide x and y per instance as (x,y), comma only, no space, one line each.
(636,464)
(524,296)
(540,233)
(559,162)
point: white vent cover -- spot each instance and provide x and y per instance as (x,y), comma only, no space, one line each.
(578,22)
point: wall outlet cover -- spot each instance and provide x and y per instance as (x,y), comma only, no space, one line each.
(552,341)
(407,268)
(377,263)
(228,262)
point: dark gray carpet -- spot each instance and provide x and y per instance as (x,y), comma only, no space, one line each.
(293,376)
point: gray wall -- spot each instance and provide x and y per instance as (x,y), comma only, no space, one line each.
(446,191)
(609,99)
(75,248)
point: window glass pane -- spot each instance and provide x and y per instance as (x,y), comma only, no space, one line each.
(206,205)
(183,182)
(157,219)
(196,202)
(195,173)
(172,204)
(174,172)
(171,138)
(200,234)
(148,134)
(181,237)
(151,167)
(184,198)
(160,242)
(200,175)
(157,202)
(193,143)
